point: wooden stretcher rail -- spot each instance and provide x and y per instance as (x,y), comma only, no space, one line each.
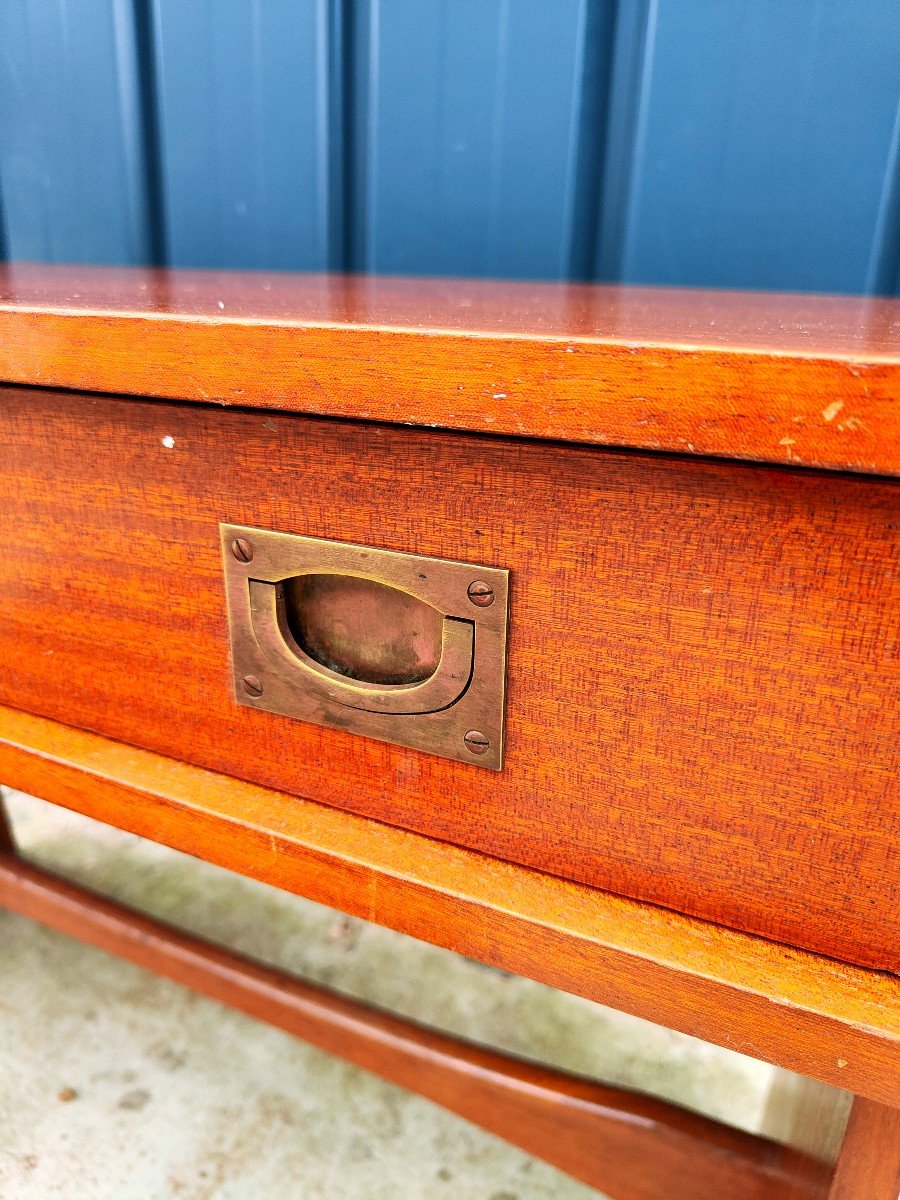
(832,1021)
(796,380)
(632,1146)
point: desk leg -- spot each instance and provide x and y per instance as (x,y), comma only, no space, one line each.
(7,845)
(868,1166)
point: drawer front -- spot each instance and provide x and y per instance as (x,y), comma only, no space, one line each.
(700,672)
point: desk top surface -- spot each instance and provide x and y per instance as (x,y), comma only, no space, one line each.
(800,380)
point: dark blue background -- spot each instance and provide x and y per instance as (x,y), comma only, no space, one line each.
(736,143)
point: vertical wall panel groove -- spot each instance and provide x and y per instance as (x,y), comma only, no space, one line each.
(244,92)
(883,276)
(143,35)
(685,142)
(71,173)
(591,96)
(127,62)
(332,130)
(355,115)
(630,66)
(471,153)
(4,252)
(762,139)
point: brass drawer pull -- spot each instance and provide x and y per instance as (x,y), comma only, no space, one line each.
(399,647)
(440,690)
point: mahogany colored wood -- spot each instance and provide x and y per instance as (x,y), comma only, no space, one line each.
(700,700)
(826,1019)
(807,380)
(868,1166)
(632,1146)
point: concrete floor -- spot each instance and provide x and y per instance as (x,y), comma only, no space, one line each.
(118,1085)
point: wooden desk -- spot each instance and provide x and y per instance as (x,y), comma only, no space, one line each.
(696,819)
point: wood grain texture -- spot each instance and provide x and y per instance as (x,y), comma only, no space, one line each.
(809,380)
(868,1166)
(829,1020)
(700,669)
(632,1146)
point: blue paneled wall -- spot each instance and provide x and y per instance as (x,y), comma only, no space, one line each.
(670,141)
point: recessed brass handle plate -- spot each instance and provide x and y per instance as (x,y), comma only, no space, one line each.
(398,647)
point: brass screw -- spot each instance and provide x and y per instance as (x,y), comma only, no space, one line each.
(476,742)
(242,550)
(252,685)
(481,593)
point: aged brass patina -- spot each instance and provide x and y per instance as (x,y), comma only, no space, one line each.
(389,645)
(364,629)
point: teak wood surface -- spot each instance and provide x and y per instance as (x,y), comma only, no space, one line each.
(807,380)
(701,679)
(868,1167)
(829,1020)
(700,697)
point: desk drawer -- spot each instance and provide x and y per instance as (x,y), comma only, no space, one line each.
(699,682)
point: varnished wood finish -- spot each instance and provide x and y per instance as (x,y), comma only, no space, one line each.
(807,380)
(829,1020)
(632,1146)
(700,692)
(868,1166)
